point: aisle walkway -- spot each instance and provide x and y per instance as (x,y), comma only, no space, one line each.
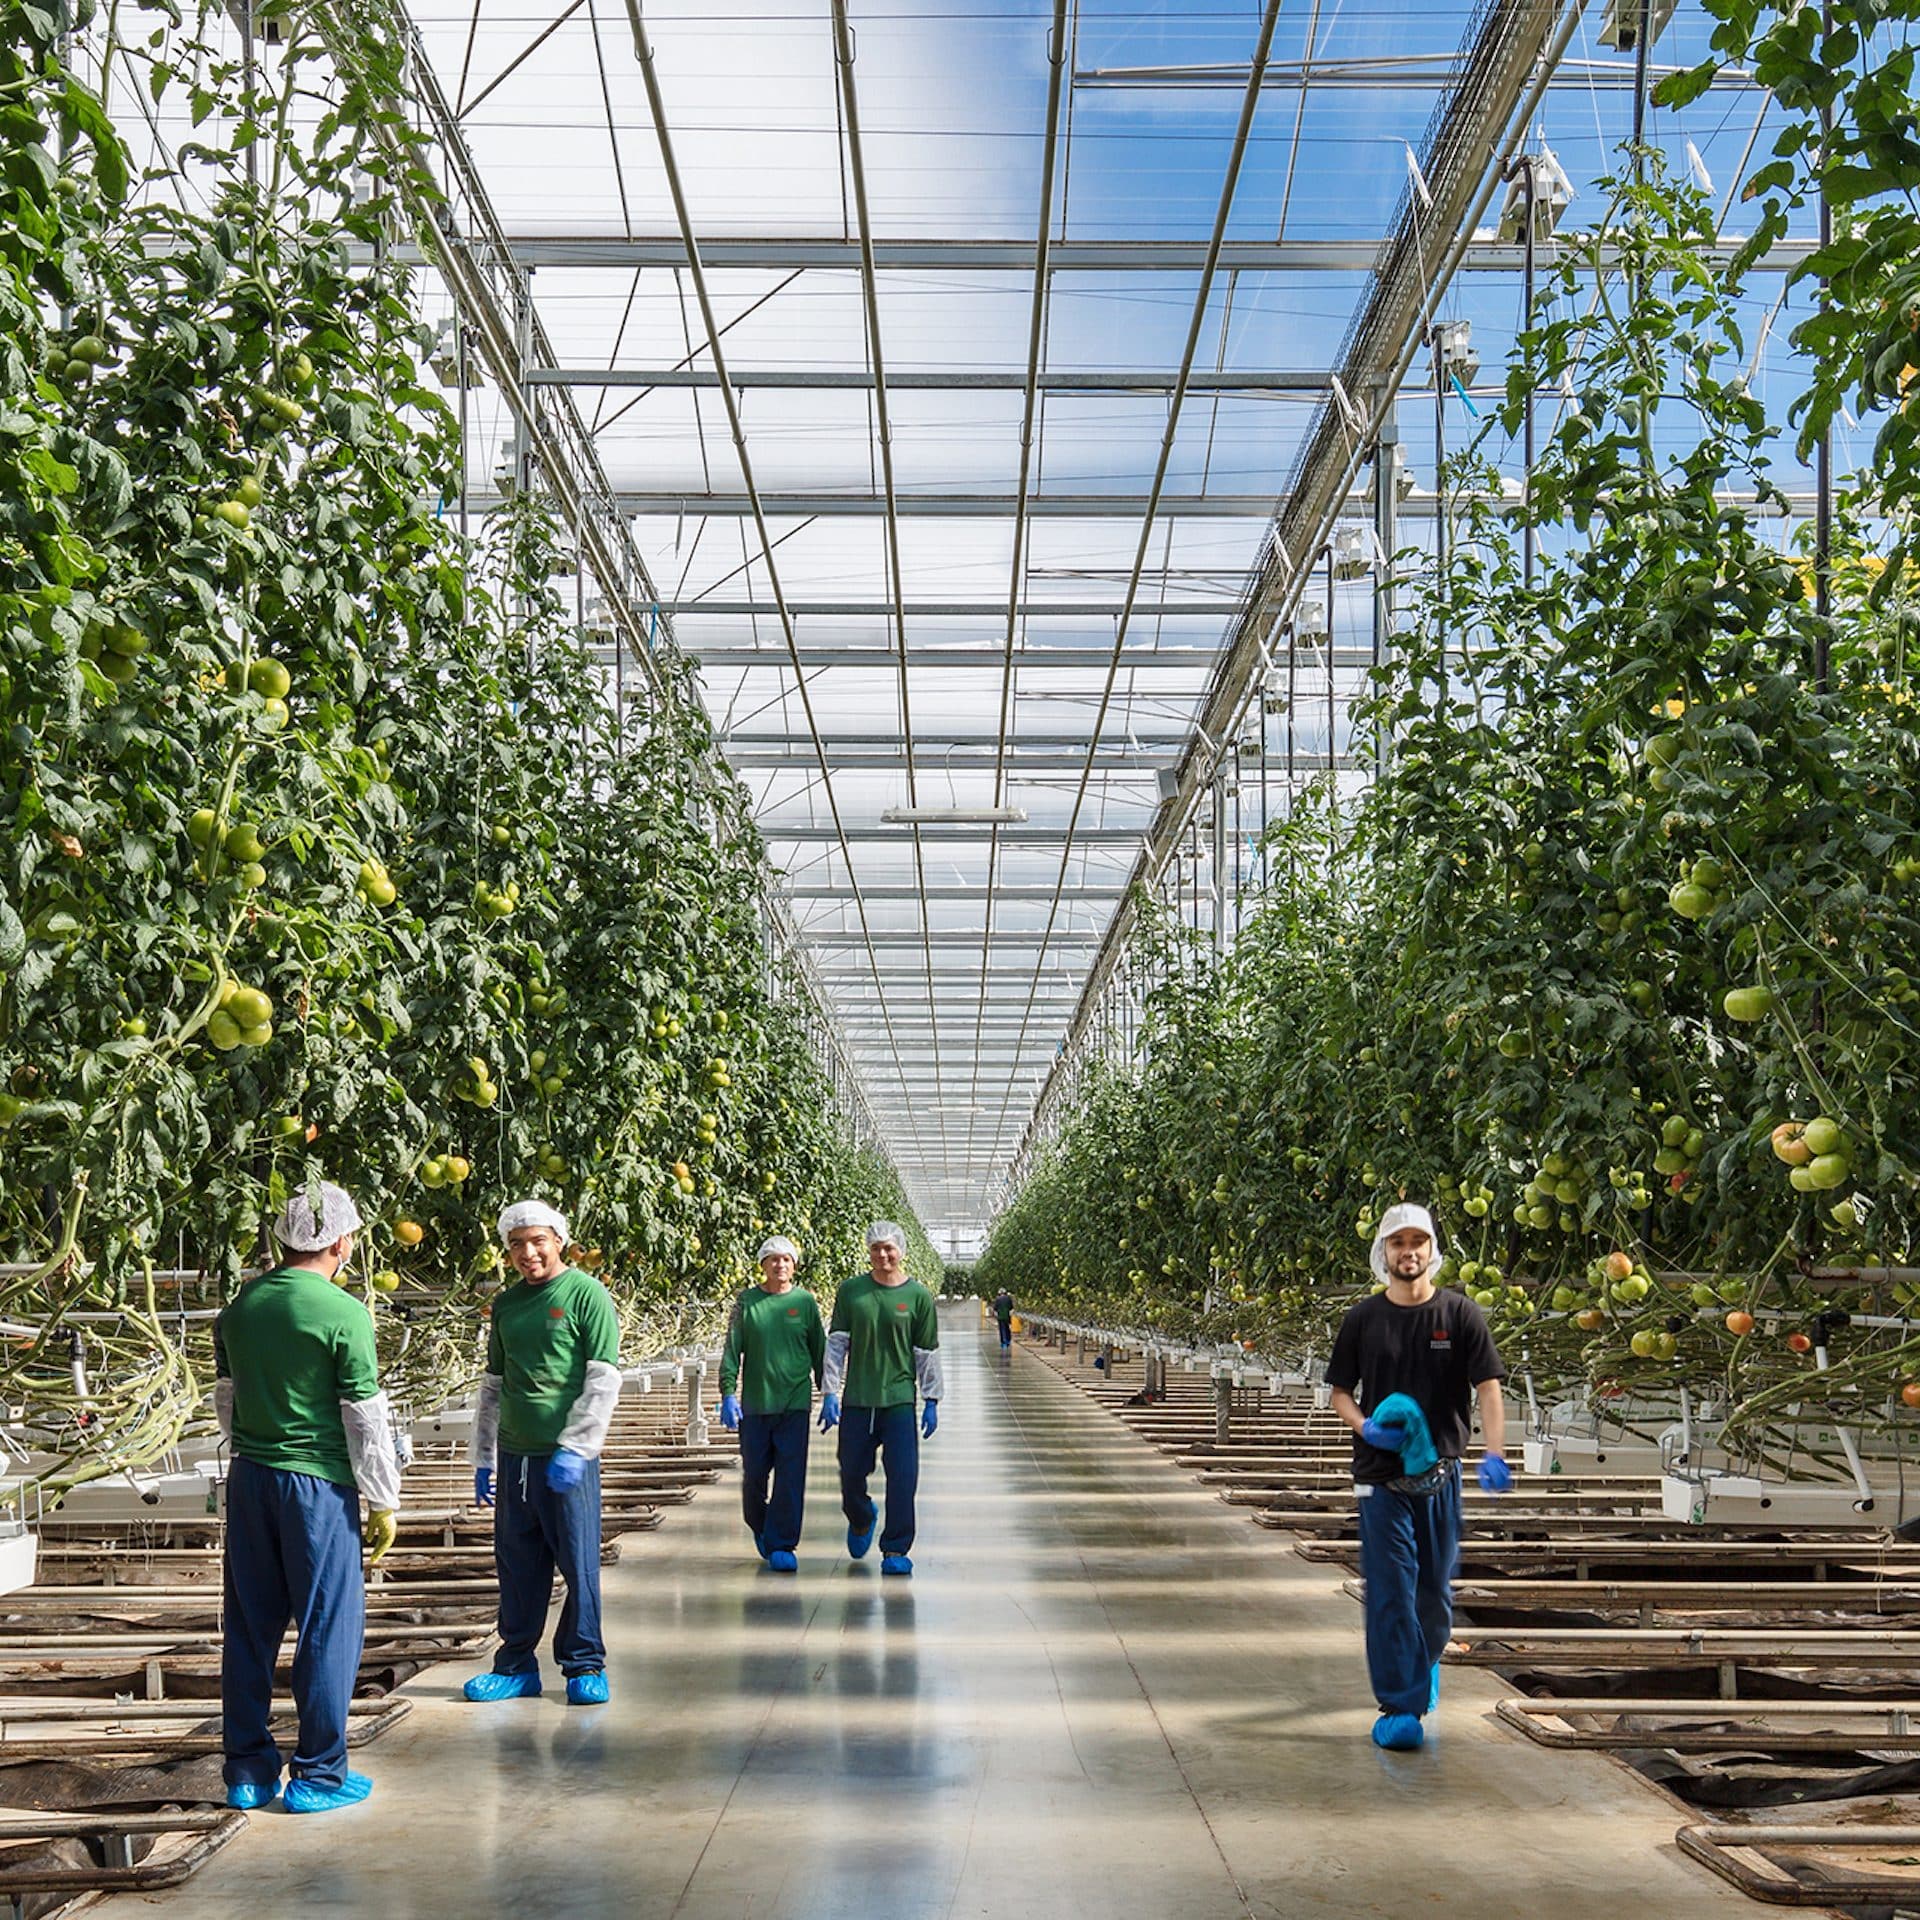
(1104,1693)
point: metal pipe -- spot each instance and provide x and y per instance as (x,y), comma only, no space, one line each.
(1029,410)
(883,425)
(670,166)
(1196,324)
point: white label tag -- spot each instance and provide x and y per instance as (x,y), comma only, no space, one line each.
(1362,1490)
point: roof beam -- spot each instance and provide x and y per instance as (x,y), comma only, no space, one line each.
(784,253)
(945,506)
(853,380)
(961,609)
(945,939)
(975,659)
(902,837)
(804,890)
(1420,72)
(1000,506)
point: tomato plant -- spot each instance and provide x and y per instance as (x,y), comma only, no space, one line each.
(325,854)
(1611,964)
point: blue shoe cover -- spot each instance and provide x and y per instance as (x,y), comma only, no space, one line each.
(302,1796)
(502,1686)
(781,1561)
(858,1542)
(587,1690)
(1433,1692)
(253,1793)
(895,1563)
(1399,1732)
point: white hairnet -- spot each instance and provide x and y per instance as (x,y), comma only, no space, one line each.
(300,1230)
(1398,1219)
(531,1213)
(778,1243)
(884,1230)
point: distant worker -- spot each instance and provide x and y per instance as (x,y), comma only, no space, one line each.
(776,1337)
(297,1394)
(546,1401)
(1417,1357)
(1003,1312)
(884,1346)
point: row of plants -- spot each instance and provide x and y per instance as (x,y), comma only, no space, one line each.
(1616,964)
(325,853)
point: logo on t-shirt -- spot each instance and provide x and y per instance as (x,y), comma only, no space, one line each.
(793,1313)
(556,1313)
(1441,1337)
(900,1306)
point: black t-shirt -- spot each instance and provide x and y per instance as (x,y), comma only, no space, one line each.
(1003,1306)
(1435,1353)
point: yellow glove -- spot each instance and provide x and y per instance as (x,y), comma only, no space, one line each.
(382,1525)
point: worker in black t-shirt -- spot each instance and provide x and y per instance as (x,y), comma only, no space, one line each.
(1003,1313)
(1416,1358)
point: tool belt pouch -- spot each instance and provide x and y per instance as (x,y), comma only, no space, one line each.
(1422,1484)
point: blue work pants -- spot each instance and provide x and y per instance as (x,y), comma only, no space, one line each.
(774,1446)
(293,1558)
(892,1434)
(537,1532)
(1006,1333)
(1409,1547)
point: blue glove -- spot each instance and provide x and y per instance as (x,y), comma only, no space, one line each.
(566,1470)
(483,1486)
(1494,1475)
(829,1412)
(929,1419)
(730,1412)
(1387,1439)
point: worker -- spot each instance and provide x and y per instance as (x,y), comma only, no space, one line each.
(1406,1364)
(1003,1312)
(297,1395)
(546,1402)
(883,1347)
(776,1338)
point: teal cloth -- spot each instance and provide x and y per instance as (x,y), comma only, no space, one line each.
(1402,1411)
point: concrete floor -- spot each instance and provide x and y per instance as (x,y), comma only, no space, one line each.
(1103,1691)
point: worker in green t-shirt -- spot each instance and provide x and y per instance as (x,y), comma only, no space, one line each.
(297,1394)
(546,1402)
(884,1345)
(776,1339)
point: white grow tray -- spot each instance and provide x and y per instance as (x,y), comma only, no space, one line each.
(1712,1498)
(136,1497)
(450,1425)
(19,1558)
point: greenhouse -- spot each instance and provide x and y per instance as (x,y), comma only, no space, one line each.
(959,959)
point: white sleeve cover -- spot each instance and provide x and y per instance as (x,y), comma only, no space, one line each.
(834,1380)
(485,1445)
(223,1407)
(927,1375)
(592,1411)
(370,1449)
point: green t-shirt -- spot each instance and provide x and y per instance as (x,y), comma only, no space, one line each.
(779,1338)
(540,1342)
(294,1345)
(884,1325)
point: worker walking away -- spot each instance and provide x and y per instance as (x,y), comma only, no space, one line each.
(546,1401)
(297,1395)
(776,1349)
(1003,1312)
(1406,1364)
(883,1347)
